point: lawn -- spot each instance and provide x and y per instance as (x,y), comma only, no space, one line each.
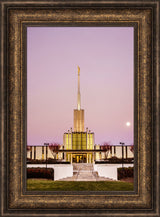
(49,185)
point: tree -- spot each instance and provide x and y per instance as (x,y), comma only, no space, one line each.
(28,148)
(106,146)
(132,148)
(54,148)
(28,151)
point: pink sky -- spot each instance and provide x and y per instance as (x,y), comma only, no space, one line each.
(105,57)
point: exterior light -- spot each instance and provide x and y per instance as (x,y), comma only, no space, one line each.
(46,144)
(122,143)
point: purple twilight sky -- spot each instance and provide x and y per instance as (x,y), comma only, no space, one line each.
(105,57)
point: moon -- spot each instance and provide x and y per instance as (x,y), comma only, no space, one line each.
(128,124)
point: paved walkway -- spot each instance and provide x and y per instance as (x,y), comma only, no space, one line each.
(84,172)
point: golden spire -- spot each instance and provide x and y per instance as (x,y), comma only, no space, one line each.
(78,70)
(79,95)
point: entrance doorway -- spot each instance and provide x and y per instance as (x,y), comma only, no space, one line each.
(79,158)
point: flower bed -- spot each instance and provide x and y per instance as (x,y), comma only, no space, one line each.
(46,173)
(125,172)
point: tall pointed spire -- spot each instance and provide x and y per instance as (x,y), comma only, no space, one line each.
(79,95)
(79,113)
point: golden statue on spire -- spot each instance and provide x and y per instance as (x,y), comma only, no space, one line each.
(78,70)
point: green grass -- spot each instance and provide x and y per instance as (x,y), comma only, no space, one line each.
(49,185)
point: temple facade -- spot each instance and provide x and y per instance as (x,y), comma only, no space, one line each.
(79,141)
(43,152)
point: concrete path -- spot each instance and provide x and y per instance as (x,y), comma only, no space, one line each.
(84,172)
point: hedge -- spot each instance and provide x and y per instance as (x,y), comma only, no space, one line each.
(49,161)
(115,160)
(46,173)
(125,172)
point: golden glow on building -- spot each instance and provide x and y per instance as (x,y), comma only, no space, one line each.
(79,139)
(78,113)
(79,95)
(78,120)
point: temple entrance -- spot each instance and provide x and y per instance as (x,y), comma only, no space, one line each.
(79,158)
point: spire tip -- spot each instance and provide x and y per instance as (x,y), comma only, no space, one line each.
(78,70)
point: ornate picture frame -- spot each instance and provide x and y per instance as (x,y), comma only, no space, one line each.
(144,17)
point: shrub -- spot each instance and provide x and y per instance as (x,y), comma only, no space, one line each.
(128,160)
(115,160)
(109,160)
(46,173)
(119,160)
(125,172)
(49,161)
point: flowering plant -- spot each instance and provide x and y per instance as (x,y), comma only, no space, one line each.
(28,148)
(132,148)
(54,148)
(106,146)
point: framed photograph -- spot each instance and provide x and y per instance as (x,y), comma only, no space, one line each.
(89,89)
(66,68)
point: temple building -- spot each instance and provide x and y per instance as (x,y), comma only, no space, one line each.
(79,141)
(78,144)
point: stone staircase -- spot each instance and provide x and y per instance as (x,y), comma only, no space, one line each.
(82,166)
(84,172)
